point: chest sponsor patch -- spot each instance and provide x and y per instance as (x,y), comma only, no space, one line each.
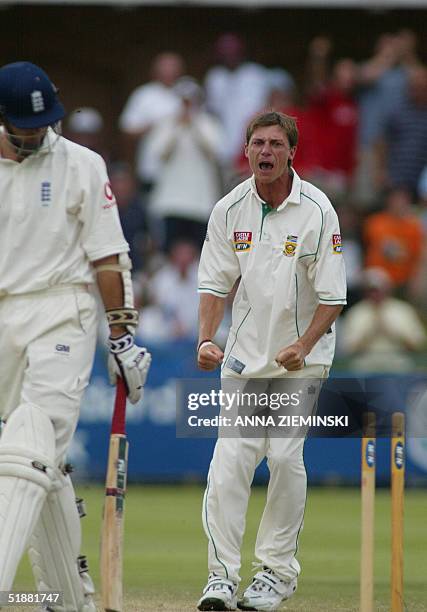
(290,247)
(242,241)
(336,244)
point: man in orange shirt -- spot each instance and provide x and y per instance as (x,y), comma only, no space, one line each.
(393,238)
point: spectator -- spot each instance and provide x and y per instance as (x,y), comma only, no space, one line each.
(85,126)
(394,238)
(131,211)
(407,49)
(332,113)
(380,332)
(236,90)
(383,81)
(153,326)
(402,150)
(187,148)
(147,105)
(173,313)
(318,64)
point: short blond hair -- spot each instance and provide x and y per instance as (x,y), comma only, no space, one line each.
(286,122)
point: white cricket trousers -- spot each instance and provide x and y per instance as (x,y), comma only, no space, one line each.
(47,346)
(227,495)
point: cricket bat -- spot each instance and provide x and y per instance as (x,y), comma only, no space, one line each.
(113,516)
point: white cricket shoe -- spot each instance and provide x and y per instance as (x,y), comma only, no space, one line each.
(219,594)
(266,592)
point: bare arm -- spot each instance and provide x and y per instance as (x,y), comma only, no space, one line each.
(380,163)
(111,289)
(317,69)
(211,313)
(371,70)
(292,357)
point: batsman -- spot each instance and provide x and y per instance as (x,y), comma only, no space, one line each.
(280,236)
(59,234)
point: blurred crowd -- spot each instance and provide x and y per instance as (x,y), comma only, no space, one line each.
(362,140)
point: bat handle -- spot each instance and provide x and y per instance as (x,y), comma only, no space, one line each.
(119,415)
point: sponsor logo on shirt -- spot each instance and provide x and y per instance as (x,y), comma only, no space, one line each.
(242,241)
(235,365)
(290,247)
(64,349)
(108,192)
(45,193)
(336,244)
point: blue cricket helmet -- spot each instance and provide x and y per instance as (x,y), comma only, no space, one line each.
(28,98)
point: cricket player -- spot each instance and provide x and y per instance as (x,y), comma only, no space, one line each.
(280,236)
(59,231)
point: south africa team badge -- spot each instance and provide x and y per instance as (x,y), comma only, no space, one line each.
(290,247)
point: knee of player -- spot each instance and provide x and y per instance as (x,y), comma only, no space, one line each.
(287,460)
(27,444)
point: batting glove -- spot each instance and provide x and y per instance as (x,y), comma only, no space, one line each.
(129,361)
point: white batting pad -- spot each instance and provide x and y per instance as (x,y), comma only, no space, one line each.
(27,452)
(55,548)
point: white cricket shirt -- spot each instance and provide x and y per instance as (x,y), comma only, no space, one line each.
(57,214)
(289,260)
(227,95)
(188,183)
(148,105)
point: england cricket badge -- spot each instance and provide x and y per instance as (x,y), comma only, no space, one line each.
(290,247)
(336,244)
(242,241)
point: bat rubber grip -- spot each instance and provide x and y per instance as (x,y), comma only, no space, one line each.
(119,415)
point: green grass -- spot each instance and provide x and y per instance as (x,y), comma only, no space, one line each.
(165,548)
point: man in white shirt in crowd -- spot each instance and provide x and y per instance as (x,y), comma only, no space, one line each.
(381,333)
(187,149)
(59,231)
(147,105)
(236,89)
(170,307)
(280,235)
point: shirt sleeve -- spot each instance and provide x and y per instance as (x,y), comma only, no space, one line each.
(219,266)
(134,115)
(327,271)
(102,234)
(162,136)
(210,132)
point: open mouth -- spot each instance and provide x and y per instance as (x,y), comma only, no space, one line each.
(265,166)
